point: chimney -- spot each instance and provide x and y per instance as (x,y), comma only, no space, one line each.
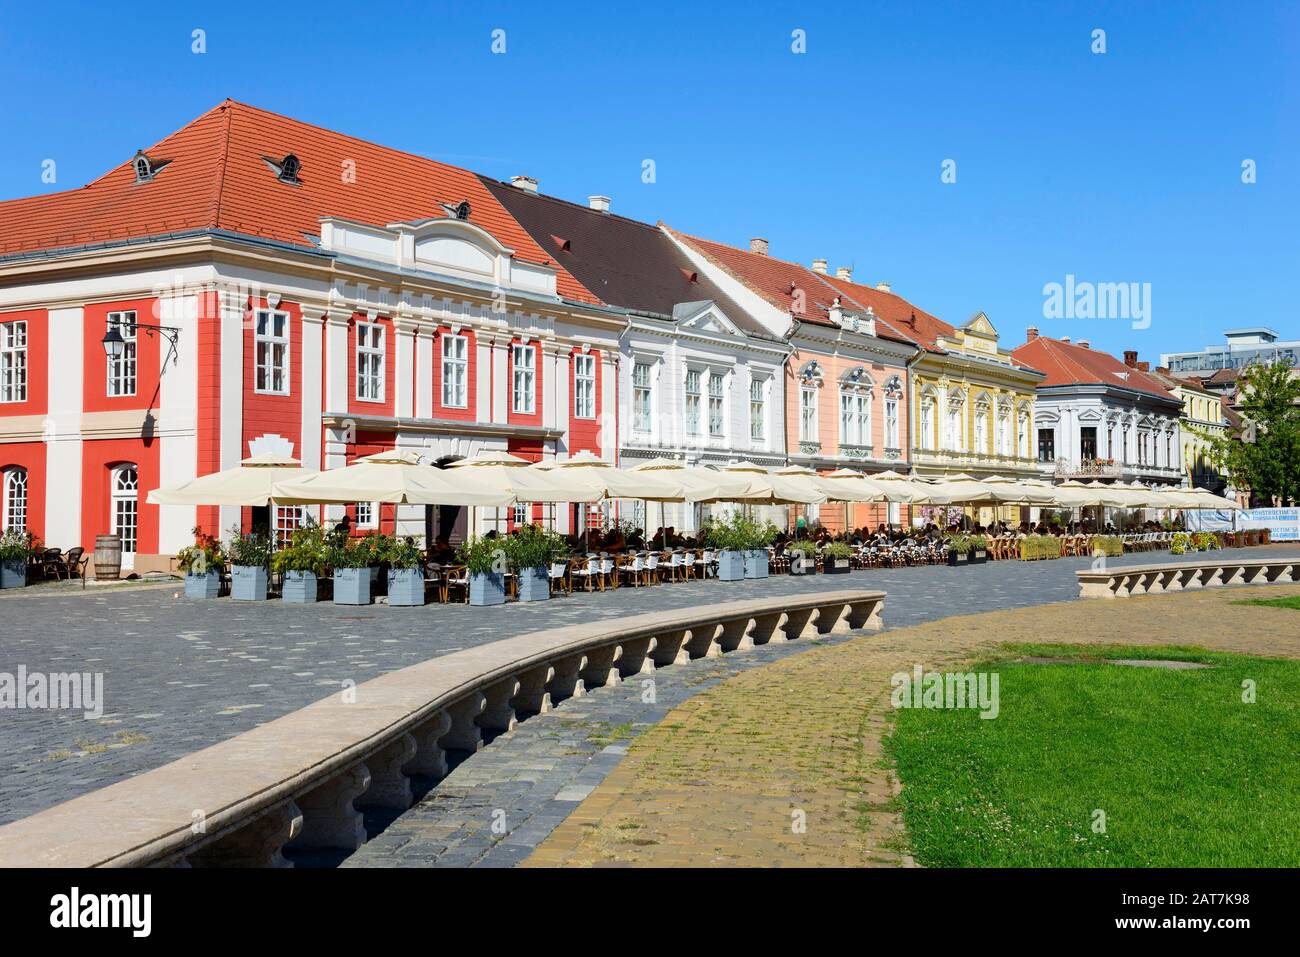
(526,183)
(1084,343)
(599,203)
(845,273)
(1131,358)
(1163,370)
(819,266)
(1065,339)
(883,286)
(1031,334)
(758,245)
(1144,367)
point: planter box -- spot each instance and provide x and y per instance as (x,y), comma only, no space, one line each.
(731,566)
(300,588)
(957,558)
(13,574)
(801,565)
(979,558)
(534,585)
(405,586)
(352,586)
(207,585)
(487,588)
(248,582)
(756,563)
(837,566)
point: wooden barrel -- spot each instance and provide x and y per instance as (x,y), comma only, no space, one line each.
(108,557)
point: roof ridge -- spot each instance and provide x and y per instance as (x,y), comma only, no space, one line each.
(759,290)
(225,163)
(569,202)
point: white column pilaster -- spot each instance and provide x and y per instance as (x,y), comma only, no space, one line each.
(63,428)
(404,367)
(178,419)
(424,372)
(313,385)
(234,326)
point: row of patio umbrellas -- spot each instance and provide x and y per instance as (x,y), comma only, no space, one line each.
(499,479)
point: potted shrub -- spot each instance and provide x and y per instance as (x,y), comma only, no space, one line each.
(201,562)
(729,537)
(301,564)
(405,561)
(352,561)
(761,534)
(959,549)
(485,564)
(16,549)
(803,558)
(250,560)
(838,558)
(531,550)
(978,549)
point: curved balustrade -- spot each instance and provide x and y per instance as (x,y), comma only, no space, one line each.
(299,781)
(1125,581)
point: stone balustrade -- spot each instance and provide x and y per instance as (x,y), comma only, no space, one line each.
(1125,581)
(298,781)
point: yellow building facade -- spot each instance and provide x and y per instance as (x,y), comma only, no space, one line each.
(972,407)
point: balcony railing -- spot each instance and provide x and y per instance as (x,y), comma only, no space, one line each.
(1088,468)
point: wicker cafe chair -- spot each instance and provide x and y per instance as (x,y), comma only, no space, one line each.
(457,576)
(633,566)
(587,570)
(560,577)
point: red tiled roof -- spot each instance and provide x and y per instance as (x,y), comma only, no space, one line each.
(217,179)
(913,323)
(1066,363)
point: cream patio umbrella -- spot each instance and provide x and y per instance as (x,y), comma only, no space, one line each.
(1074,494)
(249,483)
(606,481)
(959,489)
(698,484)
(1009,491)
(393,477)
(766,488)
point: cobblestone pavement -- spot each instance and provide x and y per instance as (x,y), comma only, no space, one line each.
(782,766)
(492,809)
(180,675)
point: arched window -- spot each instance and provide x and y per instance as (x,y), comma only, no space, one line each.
(1022,430)
(928,404)
(124,519)
(855,408)
(1002,437)
(982,425)
(14,493)
(954,421)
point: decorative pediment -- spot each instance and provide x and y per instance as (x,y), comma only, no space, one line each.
(979,325)
(1090,415)
(703,316)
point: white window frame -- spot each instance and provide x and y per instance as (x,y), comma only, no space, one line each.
(717,405)
(124,506)
(367,514)
(455,370)
(264,371)
(523,379)
(757,410)
(287,519)
(929,407)
(584,386)
(13,491)
(855,417)
(981,436)
(372,355)
(642,397)
(13,361)
(122,373)
(891,422)
(808,413)
(694,402)
(1022,433)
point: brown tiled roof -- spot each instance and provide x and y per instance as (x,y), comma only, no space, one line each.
(217,177)
(625,262)
(1067,363)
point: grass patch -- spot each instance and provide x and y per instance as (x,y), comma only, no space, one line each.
(1291,602)
(1186,773)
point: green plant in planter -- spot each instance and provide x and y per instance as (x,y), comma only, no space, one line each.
(251,550)
(201,557)
(1206,541)
(17,545)
(401,552)
(1180,543)
(306,552)
(352,552)
(533,547)
(806,549)
(960,544)
(838,550)
(979,543)
(482,556)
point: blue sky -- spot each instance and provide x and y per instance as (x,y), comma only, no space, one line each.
(1124,166)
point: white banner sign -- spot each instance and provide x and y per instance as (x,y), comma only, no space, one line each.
(1283,523)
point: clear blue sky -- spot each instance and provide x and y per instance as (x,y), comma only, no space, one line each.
(1122,166)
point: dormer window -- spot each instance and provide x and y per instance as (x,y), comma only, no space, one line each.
(286,170)
(462,210)
(146,168)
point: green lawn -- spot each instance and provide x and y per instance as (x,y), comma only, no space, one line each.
(1292,602)
(1186,773)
